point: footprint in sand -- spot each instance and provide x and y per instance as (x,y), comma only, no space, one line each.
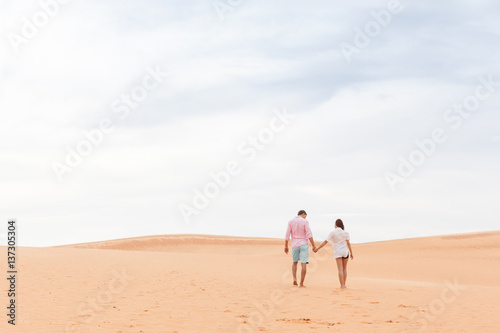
(309,321)
(327,323)
(301,320)
(406,306)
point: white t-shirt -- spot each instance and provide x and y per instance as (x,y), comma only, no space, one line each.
(338,238)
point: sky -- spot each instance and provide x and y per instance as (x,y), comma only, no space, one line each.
(125,118)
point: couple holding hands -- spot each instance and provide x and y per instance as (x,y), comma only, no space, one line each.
(299,233)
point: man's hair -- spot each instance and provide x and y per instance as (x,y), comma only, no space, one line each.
(301,212)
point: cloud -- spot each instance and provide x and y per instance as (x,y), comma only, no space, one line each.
(352,122)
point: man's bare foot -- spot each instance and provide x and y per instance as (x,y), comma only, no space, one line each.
(295,283)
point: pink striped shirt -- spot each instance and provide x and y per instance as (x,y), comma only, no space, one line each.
(298,231)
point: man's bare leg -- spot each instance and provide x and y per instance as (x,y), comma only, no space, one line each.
(294,273)
(303,274)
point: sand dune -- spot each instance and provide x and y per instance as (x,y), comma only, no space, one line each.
(182,243)
(194,283)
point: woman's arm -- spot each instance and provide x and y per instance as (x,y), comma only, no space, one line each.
(350,249)
(319,247)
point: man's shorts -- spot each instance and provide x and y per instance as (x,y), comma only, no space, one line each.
(301,253)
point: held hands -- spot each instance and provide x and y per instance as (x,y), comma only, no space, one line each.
(315,250)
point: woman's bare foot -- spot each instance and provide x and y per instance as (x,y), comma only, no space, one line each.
(295,283)
(302,286)
(343,287)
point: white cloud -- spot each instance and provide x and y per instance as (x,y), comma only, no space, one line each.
(353,121)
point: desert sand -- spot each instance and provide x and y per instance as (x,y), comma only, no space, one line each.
(194,283)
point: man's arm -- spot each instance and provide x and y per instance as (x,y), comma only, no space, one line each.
(287,237)
(309,234)
(312,243)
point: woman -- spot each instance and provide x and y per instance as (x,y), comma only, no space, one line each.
(341,250)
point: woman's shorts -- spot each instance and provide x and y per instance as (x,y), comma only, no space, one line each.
(343,256)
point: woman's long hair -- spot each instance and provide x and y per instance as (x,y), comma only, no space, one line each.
(339,224)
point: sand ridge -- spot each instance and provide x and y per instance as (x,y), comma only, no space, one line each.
(197,283)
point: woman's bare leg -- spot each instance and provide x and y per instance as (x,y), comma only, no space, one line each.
(340,267)
(344,266)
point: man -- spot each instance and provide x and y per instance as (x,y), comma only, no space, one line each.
(298,232)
